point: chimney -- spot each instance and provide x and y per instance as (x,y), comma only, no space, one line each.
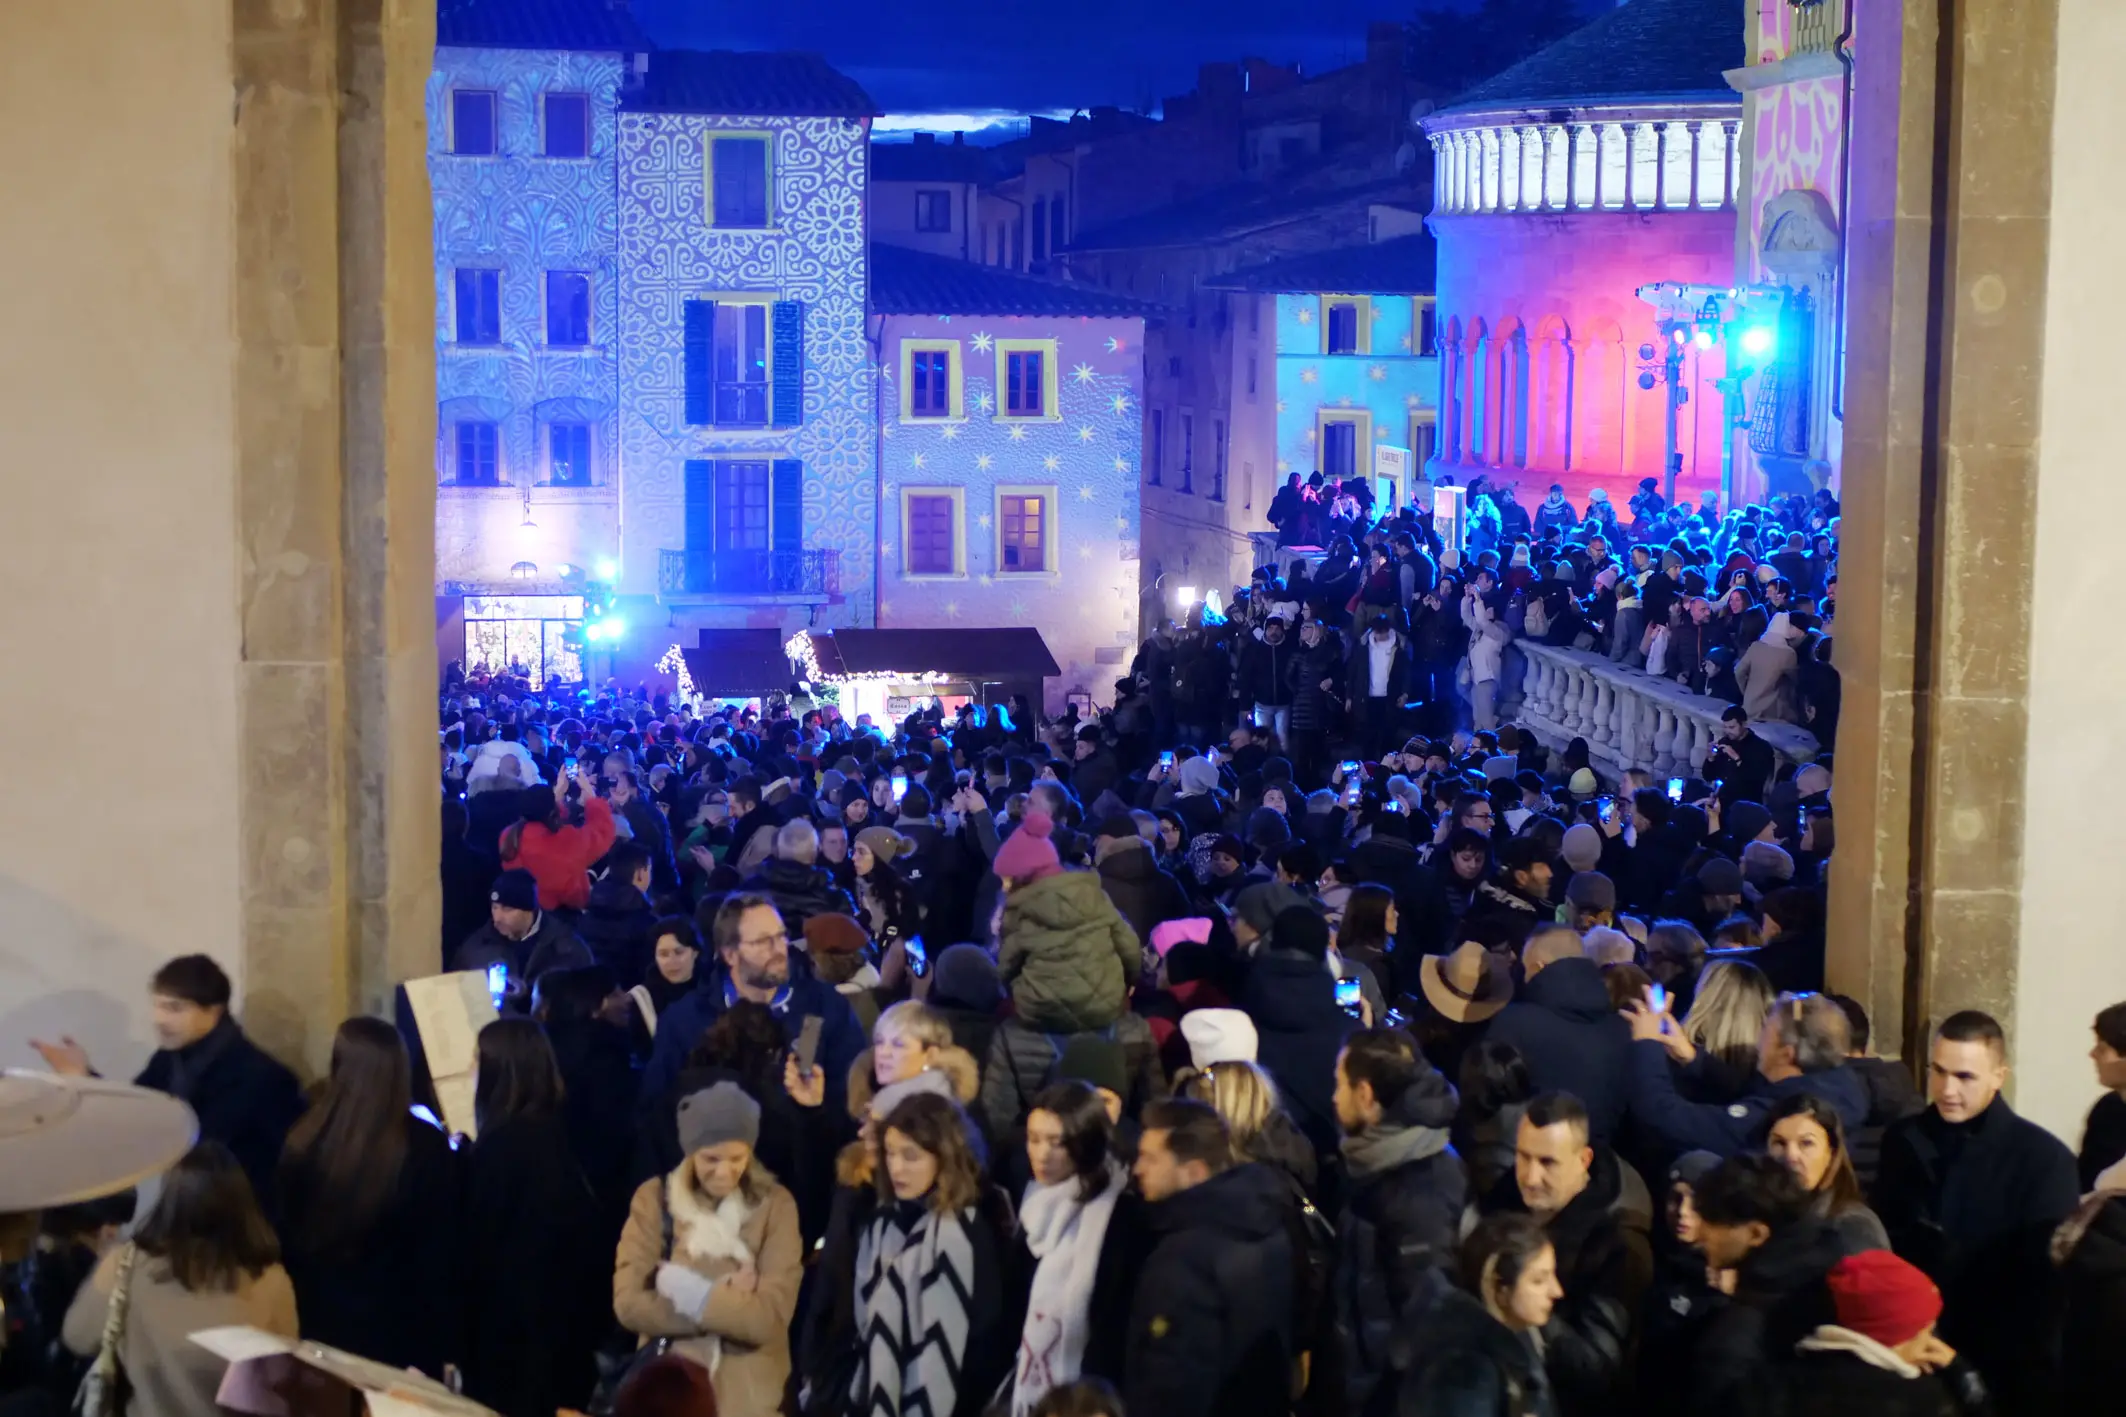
(959,140)
(926,140)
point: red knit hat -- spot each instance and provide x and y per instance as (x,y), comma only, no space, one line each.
(1882,1296)
(1027,854)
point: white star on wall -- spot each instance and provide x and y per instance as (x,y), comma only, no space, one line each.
(1018,432)
(983,462)
(1121,463)
(1410,400)
(1313,433)
(1308,376)
(885,373)
(1377,312)
(1406,342)
(982,521)
(1281,405)
(1344,402)
(1114,346)
(985,578)
(919,461)
(952,610)
(885,607)
(1283,466)
(1018,610)
(982,342)
(1377,373)
(885,548)
(1380,434)
(1085,551)
(1119,403)
(1303,313)
(1052,463)
(1121,523)
(1085,432)
(885,430)
(1085,494)
(982,401)
(950,432)
(1083,374)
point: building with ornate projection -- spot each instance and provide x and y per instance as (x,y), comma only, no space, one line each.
(1608,161)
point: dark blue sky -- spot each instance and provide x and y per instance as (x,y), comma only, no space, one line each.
(972,55)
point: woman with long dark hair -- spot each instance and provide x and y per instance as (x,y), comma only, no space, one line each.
(539,1286)
(888,907)
(204,1258)
(369,1198)
(1807,1137)
(1366,936)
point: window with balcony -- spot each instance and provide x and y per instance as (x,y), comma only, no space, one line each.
(478,297)
(568,309)
(479,462)
(567,125)
(472,123)
(739,186)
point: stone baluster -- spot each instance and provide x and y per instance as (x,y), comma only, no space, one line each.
(1664,740)
(1600,734)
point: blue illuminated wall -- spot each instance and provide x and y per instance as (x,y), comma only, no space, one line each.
(814,253)
(525,214)
(1390,383)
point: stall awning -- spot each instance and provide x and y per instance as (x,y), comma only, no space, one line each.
(994,656)
(738,663)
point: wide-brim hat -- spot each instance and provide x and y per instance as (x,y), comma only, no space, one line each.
(65,1140)
(1467,986)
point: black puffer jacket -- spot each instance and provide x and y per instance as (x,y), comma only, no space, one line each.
(1397,1231)
(1573,1040)
(1464,1363)
(1145,895)
(800,892)
(2093,1360)
(1833,1384)
(1211,1329)
(1312,706)
(1300,1030)
(1779,1299)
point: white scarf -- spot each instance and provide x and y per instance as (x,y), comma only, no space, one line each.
(1065,1235)
(703,1234)
(1830,1338)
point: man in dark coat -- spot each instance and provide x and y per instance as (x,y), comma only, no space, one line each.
(520,936)
(1262,682)
(1290,995)
(1605,1257)
(1891,1095)
(800,887)
(1398,1227)
(1740,762)
(1317,693)
(1564,1026)
(1130,874)
(243,1098)
(1211,1327)
(617,923)
(1802,1048)
(1516,899)
(1972,1193)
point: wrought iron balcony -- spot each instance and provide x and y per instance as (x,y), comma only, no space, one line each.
(749,573)
(1816,25)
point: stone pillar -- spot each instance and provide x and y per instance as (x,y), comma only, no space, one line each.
(238,394)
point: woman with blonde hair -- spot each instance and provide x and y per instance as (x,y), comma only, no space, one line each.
(1726,1017)
(1246,1097)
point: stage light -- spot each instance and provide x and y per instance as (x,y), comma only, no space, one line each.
(1188,596)
(1703,339)
(608,568)
(614,627)
(594,631)
(1759,340)
(1680,335)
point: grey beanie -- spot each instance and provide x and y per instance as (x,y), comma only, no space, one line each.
(716,1115)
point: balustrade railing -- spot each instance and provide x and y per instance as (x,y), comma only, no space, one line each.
(1629,718)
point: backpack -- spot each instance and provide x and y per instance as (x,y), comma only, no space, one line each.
(1314,1265)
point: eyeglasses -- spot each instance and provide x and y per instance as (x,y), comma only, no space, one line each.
(761,942)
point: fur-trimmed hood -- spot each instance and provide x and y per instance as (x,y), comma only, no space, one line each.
(854,1166)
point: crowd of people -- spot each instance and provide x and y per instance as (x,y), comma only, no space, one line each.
(1286,1039)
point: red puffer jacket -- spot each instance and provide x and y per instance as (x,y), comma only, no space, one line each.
(560,859)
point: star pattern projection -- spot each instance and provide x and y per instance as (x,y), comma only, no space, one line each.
(1303,312)
(950,432)
(983,462)
(1309,376)
(1114,346)
(982,342)
(1051,463)
(1018,432)
(1084,373)
(918,461)
(1085,432)
(1119,403)
(1378,373)
(1085,494)
(983,401)
(983,521)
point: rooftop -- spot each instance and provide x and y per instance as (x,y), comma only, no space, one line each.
(905,282)
(784,85)
(1641,50)
(930,161)
(602,25)
(1402,265)
(1235,210)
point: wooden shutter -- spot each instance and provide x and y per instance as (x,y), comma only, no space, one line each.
(788,374)
(700,506)
(700,348)
(786,500)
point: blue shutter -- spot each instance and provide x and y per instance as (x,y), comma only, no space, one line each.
(787,506)
(700,345)
(788,375)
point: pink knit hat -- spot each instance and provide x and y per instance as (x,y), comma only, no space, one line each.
(1028,854)
(1169,933)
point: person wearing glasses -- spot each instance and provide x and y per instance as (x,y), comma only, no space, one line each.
(752,960)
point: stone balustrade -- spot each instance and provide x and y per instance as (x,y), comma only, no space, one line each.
(1629,718)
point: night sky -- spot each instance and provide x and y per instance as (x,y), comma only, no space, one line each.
(972,56)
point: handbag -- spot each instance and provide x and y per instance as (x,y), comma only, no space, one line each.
(103,1391)
(613,1374)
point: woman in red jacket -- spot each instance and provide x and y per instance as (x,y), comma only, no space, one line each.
(558,855)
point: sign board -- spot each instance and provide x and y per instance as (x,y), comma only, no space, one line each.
(272,1376)
(449,1010)
(1391,476)
(1450,516)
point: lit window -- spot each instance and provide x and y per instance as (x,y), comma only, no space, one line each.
(1022,533)
(568,454)
(568,125)
(568,309)
(738,182)
(472,123)
(479,306)
(933,210)
(742,366)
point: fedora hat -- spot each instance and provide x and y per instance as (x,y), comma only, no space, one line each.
(67,1139)
(1467,986)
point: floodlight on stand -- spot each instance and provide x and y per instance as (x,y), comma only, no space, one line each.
(1759,340)
(1188,596)
(1703,338)
(608,568)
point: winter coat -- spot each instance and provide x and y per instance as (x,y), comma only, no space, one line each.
(1396,1233)
(241,1095)
(1554,516)
(1299,1031)
(1066,955)
(1358,671)
(1145,895)
(1678,1126)
(1573,1040)
(1122,1250)
(1672,1318)
(1836,1384)
(1765,675)
(168,1375)
(1210,1330)
(648,829)
(1022,1060)
(1605,1265)
(1314,709)
(1465,1363)
(1264,674)
(560,858)
(391,1290)
(800,892)
(2093,1274)
(2103,1139)
(617,926)
(1744,780)
(743,1337)
(1779,1299)
(550,945)
(1975,1207)
(1891,1098)
(683,1025)
(1498,910)
(537,1301)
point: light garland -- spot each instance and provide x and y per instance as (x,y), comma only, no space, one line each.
(676,663)
(798,649)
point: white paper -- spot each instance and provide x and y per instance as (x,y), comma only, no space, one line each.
(240,1344)
(449,1010)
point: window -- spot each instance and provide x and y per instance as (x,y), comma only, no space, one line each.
(1427,329)
(741,366)
(738,182)
(1022,533)
(933,209)
(479,462)
(568,454)
(479,300)
(568,309)
(1217,460)
(1342,326)
(568,125)
(1345,437)
(1188,452)
(933,534)
(472,123)
(931,386)
(741,491)
(1157,465)
(1424,438)
(1026,379)
(1251,378)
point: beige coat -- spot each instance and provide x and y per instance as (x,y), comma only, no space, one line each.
(170,1375)
(744,1338)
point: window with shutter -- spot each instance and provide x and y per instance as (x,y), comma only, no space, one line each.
(738,182)
(788,346)
(787,515)
(699,358)
(742,506)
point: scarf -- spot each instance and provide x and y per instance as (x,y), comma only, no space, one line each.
(915,1280)
(1065,1235)
(1386,1147)
(1830,1338)
(190,1063)
(704,1234)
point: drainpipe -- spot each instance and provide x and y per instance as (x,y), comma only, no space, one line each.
(875,336)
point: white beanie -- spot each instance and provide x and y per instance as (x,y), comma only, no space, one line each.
(1218,1036)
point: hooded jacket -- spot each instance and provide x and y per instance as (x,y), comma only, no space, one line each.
(1299,1031)
(1066,954)
(1211,1327)
(616,925)
(1779,1299)
(800,892)
(1461,1362)
(1679,1126)
(1573,1040)
(1397,1232)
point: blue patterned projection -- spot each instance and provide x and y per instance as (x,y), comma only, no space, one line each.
(812,256)
(1387,391)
